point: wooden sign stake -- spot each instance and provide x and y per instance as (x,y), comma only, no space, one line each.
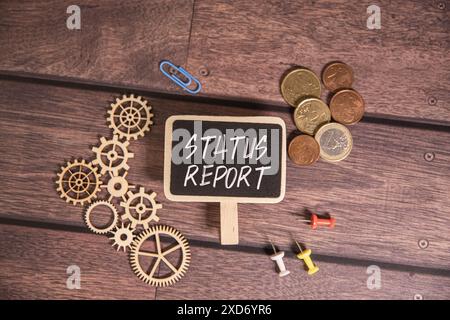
(229,227)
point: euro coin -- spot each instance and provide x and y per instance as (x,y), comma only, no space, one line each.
(304,150)
(335,142)
(299,84)
(347,106)
(310,114)
(337,76)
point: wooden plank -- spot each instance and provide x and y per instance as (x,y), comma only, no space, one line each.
(34,264)
(385,196)
(34,267)
(243,275)
(120,43)
(401,70)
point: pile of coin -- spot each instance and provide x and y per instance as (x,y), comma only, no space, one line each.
(331,141)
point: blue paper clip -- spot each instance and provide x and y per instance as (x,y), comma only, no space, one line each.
(183,84)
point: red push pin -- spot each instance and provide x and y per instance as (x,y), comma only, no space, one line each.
(315,222)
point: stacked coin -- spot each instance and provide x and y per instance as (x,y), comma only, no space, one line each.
(301,88)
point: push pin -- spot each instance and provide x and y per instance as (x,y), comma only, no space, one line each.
(315,221)
(278,258)
(306,257)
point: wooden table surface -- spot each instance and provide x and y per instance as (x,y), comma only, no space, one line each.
(390,194)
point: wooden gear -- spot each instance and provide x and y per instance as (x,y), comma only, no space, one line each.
(112,155)
(130,117)
(140,208)
(78,182)
(150,276)
(122,237)
(88,214)
(117,186)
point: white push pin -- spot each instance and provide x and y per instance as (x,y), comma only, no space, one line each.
(278,258)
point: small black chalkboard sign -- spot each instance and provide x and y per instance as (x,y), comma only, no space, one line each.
(227,160)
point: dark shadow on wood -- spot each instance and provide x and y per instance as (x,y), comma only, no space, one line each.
(253,250)
(386,120)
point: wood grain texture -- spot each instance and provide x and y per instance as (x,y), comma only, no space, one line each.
(34,264)
(34,267)
(401,70)
(120,42)
(247,46)
(253,276)
(385,196)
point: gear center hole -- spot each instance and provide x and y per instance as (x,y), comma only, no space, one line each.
(112,155)
(140,208)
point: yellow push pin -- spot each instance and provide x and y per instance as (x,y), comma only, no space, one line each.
(306,257)
(278,258)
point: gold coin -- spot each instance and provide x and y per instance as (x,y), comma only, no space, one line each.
(304,150)
(310,114)
(299,84)
(335,142)
(347,106)
(337,76)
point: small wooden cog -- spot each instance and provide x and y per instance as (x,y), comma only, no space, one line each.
(78,182)
(88,215)
(130,117)
(140,253)
(122,237)
(140,208)
(112,155)
(117,186)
